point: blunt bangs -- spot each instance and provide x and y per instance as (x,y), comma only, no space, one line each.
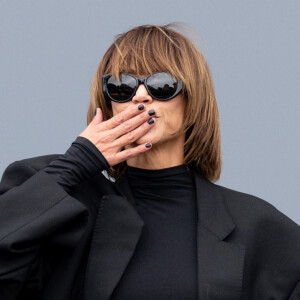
(143,51)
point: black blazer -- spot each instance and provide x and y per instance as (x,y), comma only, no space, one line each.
(58,246)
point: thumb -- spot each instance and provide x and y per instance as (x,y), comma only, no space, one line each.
(98,116)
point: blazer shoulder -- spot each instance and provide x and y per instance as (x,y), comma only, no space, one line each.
(20,170)
(37,162)
(243,199)
(251,209)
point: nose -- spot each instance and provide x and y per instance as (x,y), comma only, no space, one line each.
(141,95)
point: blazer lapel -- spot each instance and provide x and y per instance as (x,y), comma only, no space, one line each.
(117,230)
(220,263)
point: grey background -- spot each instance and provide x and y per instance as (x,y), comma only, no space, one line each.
(50,51)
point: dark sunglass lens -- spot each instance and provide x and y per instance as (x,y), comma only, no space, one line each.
(162,85)
(122,89)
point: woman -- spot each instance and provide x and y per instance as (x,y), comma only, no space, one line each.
(156,227)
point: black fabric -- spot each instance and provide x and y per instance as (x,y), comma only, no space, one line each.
(246,248)
(167,204)
(164,264)
(80,162)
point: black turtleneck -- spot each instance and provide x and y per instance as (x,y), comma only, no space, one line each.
(164,264)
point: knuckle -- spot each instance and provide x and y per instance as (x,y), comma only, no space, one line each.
(140,118)
(130,136)
(144,116)
(130,153)
(106,138)
(104,149)
(145,127)
(119,118)
(127,126)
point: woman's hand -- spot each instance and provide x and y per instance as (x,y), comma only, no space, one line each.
(122,129)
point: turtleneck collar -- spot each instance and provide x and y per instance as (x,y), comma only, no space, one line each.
(158,173)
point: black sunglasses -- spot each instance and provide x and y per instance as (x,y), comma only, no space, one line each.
(160,86)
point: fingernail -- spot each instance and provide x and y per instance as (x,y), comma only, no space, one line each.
(95,112)
(141,107)
(151,112)
(148,145)
(150,121)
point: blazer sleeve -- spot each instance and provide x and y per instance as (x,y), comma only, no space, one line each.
(273,260)
(33,209)
(284,252)
(296,293)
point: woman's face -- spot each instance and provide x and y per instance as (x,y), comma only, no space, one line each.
(169,115)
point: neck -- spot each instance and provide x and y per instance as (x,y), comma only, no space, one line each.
(163,155)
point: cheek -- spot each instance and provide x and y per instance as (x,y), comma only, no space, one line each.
(173,122)
(175,117)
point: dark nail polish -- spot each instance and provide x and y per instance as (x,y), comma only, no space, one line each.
(95,112)
(151,112)
(141,107)
(150,121)
(148,145)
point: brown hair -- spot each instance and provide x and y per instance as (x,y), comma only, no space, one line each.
(151,48)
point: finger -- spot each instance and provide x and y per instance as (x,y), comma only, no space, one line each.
(129,153)
(98,117)
(131,124)
(119,118)
(134,135)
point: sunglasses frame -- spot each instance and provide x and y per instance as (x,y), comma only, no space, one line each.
(139,80)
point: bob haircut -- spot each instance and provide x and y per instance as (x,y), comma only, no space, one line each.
(152,48)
